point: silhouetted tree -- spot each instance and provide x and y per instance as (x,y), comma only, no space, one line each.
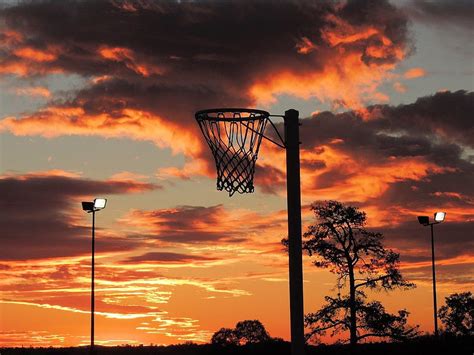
(225,337)
(245,332)
(458,313)
(251,332)
(357,256)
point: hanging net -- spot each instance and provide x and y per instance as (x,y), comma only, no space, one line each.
(234,136)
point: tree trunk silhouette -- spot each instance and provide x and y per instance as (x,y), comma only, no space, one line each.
(352,307)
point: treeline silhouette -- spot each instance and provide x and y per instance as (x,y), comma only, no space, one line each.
(447,344)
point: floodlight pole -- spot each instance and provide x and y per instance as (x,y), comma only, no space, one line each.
(92,281)
(292,143)
(424,220)
(434,282)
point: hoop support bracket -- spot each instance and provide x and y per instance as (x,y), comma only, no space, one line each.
(282,144)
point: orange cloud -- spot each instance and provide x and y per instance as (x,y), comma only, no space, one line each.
(116,53)
(194,167)
(214,231)
(25,67)
(305,46)
(100,79)
(341,32)
(35,55)
(198,219)
(9,38)
(128,176)
(359,181)
(399,87)
(46,173)
(348,81)
(55,121)
(360,58)
(34,91)
(20,69)
(414,73)
(125,55)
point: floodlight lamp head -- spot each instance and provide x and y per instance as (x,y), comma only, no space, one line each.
(424,220)
(439,216)
(88,206)
(99,203)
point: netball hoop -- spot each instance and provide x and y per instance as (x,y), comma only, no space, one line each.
(234,136)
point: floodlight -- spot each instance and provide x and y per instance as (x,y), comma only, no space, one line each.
(424,220)
(88,206)
(99,203)
(439,216)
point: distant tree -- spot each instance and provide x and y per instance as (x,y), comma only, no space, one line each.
(340,243)
(245,332)
(225,337)
(458,313)
(251,332)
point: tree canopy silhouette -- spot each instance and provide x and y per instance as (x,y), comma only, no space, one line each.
(225,337)
(245,332)
(340,243)
(251,332)
(458,313)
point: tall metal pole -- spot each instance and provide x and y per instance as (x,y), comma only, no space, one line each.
(92,281)
(292,142)
(434,284)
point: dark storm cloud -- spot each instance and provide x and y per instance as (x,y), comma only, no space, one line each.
(176,102)
(189,224)
(38,214)
(453,239)
(269,179)
(404,130)
(435,12)
(454,189)
(454,248)
(436,128)
(459,274)
(232,38)
(173,58)
(208,225)
(448,114)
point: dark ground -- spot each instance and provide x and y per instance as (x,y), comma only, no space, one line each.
(419,346)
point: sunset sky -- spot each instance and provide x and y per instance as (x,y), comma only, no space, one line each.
(97,99)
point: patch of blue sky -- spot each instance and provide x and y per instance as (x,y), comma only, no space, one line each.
(93,157)
(14,104)
(445,53)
